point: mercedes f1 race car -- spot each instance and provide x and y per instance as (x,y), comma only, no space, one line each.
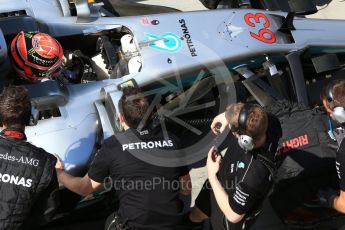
(190,64)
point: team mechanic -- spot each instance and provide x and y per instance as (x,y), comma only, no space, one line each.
(333,98)
(29,186)
(243,178)
(144,203)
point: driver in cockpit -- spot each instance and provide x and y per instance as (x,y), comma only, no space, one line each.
(36,56)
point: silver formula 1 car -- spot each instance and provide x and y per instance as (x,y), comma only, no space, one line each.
(190,64)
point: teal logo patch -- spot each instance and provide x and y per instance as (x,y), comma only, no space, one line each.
(168,42)
(241,165)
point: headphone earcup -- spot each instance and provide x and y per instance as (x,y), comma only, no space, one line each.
(339,114)
(246,142)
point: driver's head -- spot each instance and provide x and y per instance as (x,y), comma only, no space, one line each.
(333,96)
(15,107)
(36,55)
(256,124)
(134,108)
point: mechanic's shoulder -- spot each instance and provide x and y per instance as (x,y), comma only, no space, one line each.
(257,173)
(273,119)
(111,142)
(42,153)
(47,159)
(274,125)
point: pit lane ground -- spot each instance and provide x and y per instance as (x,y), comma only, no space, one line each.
(328,9)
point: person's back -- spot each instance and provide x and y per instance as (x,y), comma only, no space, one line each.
(28,179)
(148,194)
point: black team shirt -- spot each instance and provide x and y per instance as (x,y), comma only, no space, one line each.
(245,178)
(148,194)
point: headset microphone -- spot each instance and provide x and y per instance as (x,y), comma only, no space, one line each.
(245,141)
(339,115)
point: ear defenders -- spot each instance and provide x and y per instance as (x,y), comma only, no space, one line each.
(338,111)
(245,141)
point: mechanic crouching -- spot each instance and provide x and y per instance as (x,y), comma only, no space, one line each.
(29,186)
(333,98)
(146,199)
(238,183)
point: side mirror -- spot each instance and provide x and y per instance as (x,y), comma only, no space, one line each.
(302,7)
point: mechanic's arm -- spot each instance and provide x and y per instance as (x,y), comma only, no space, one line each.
(185,185)
(220,194)
(339,202)
(80,185)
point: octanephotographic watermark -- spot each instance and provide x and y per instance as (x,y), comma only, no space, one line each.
(159,184)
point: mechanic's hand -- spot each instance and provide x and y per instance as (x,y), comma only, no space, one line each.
(326,197)
(219,124)
(213,164)
(59,164)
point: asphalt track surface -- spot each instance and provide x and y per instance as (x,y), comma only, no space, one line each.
(328,9)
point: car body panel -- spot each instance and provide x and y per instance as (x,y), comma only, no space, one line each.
(198,43)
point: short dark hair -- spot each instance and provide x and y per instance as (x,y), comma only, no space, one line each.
(338,91)
(134,107)
(257,121)
(15,107)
